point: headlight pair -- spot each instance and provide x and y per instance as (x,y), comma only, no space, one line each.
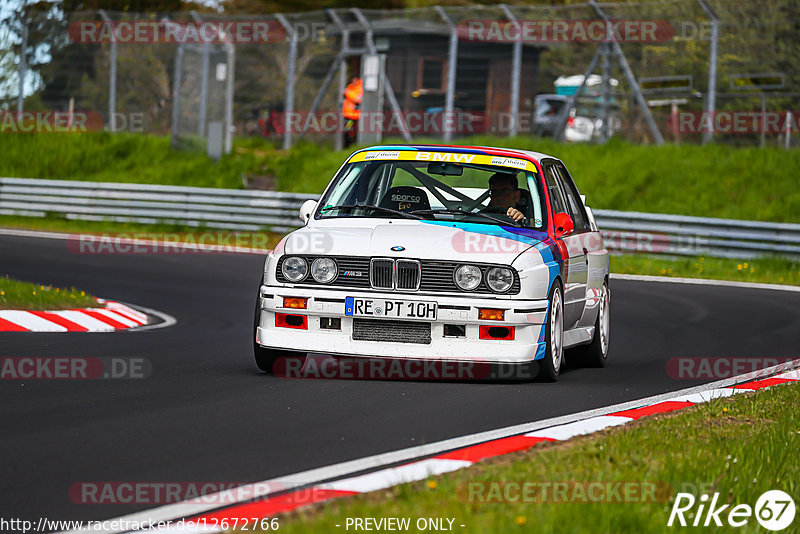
(323,270)
(499,279)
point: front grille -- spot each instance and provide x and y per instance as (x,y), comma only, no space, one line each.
(408,272)
(381,273)
(431,275)
(391,331)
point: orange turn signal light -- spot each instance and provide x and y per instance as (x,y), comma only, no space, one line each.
(295,302)
(488,314)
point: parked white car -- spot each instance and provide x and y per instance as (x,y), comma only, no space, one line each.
(413,252)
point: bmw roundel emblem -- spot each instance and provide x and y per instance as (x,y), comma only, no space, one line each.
(398,248)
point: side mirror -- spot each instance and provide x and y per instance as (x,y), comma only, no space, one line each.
(564,225)
(306,210)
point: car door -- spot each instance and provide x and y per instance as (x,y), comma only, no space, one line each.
(575,268)
(591,243)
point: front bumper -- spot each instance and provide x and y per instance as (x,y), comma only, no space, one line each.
(526,316)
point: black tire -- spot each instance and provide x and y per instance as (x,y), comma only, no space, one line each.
(266,358)
(550,366)
(595,354)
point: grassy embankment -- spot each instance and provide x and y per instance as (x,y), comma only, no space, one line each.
(714,181)
(16,295)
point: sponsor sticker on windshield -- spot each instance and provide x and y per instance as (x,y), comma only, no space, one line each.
(509,162)
(449,157)
(381,155)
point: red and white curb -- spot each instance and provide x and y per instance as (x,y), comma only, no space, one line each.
(206,515)
(108,318)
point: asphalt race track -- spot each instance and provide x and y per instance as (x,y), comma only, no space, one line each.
(207,414)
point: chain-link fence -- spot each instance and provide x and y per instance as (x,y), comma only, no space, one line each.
(674,70)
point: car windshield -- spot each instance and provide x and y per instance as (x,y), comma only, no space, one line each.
(549,107)
(463,192)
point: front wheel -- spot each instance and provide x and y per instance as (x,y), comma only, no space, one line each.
(595,354)
(550,365)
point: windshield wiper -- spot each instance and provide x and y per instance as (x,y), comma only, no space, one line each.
(462,212)
(349,207)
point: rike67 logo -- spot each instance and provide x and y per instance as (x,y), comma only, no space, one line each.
(774,510)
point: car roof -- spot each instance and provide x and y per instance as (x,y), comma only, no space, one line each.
(553,96)
(489,150)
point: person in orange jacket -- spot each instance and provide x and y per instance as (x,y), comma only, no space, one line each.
(350,111)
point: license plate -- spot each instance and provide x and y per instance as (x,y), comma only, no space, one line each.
(389,308)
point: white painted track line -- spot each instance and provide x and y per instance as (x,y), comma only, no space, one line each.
(579,428)
(387,478)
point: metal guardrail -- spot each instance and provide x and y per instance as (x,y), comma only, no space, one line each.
(234,209)
(237,209)
(658,233)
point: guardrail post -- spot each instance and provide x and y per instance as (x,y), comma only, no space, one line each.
(788,128)
(345,45)
(23,66)
(112,74)
(231,57)
(452,60)
(711,101)
(201,121)
(516,70)
(176,96)
(288,97)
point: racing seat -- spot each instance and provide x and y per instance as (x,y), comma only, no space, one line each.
(405,198)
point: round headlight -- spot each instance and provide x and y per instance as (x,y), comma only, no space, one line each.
(499,279)
(324,270)
(468,277)
(294,268)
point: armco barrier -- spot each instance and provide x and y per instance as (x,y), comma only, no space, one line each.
(237,209)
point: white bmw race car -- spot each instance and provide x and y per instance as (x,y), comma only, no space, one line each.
(440,253)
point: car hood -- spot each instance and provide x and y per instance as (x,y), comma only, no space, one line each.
(442,240)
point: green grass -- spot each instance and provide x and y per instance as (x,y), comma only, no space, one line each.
(104,157)
(713,180)
(765,270)
(17,295)
(740,446)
